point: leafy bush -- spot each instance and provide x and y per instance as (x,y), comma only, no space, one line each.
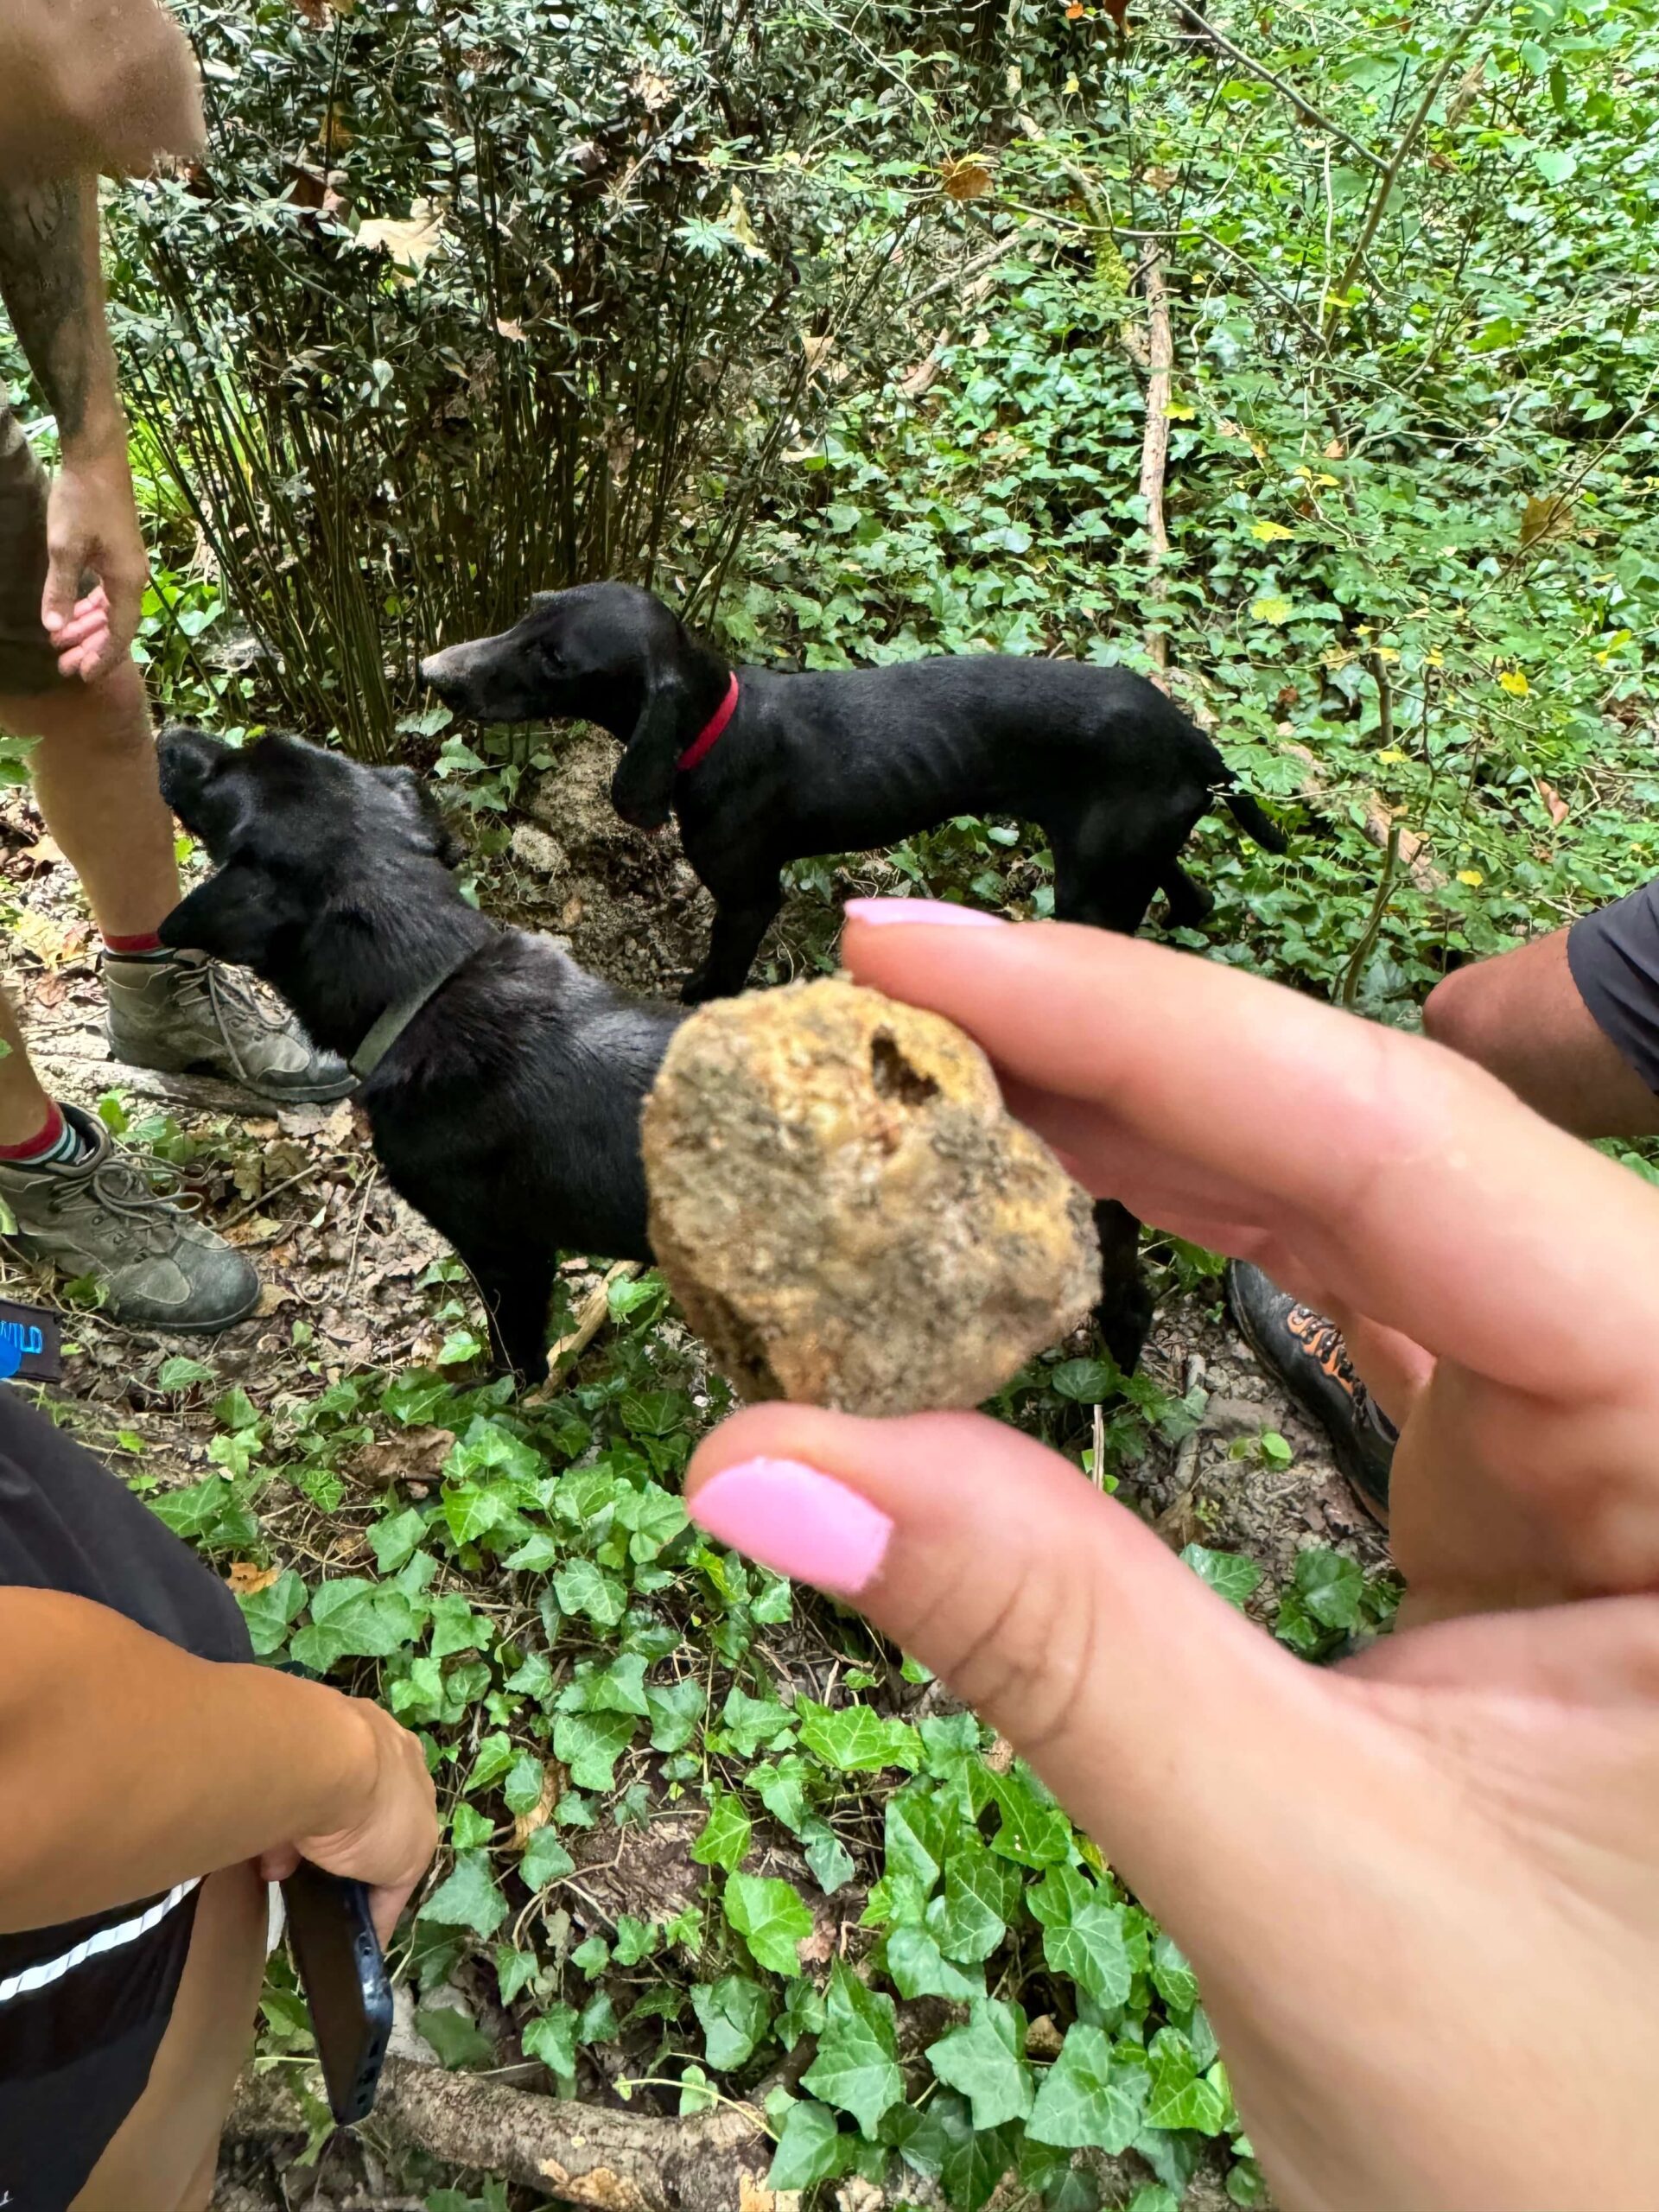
(471,302)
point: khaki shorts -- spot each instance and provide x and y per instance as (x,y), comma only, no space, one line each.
(28,663)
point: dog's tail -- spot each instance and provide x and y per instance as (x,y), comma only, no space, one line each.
(1252,817)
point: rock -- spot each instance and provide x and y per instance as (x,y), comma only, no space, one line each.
(534,850)
(846,1210)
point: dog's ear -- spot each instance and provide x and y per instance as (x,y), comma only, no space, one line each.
(233,915)
(642,790)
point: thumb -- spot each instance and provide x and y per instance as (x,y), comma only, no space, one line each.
(63,575)
(1162,1719)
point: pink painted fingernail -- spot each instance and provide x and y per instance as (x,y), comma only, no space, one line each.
(921,912)
(796,1522)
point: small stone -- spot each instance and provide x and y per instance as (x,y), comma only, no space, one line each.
(533,848)
(847,1211)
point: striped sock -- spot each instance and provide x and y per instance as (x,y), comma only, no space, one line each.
(148,947)
(58,1145)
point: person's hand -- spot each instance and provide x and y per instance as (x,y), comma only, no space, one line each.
(91,531)
(1421,1890)
(390,1845)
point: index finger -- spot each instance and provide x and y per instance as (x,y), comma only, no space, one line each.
(1440,1205)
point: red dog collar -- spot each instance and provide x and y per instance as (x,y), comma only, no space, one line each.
(703,743)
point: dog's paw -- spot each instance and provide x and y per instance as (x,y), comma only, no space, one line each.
(697,989)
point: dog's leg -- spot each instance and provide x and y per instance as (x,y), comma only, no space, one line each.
(1124,1313)
(1189,903)
(740,925)
(516,1289)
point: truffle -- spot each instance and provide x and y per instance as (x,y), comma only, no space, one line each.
(847,1211)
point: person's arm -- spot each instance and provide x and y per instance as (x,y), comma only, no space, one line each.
(53,288)
(127,1765)
(91,86)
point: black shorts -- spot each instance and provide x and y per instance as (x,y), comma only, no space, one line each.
(1613,955)
(83,2007)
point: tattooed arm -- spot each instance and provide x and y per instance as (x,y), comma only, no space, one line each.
(52,289)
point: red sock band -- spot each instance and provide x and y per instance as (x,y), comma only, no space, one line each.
(149,943)
(36,1145)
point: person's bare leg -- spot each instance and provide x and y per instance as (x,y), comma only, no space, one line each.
(1521,1015)
(164,2160)
(96,780)
(25,1108)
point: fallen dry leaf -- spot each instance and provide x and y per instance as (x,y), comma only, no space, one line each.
(525,1824)
(1554,805)
(410,244)
(970,178)
(44,852)
(416,1456)
(247,1580)
(508,329)
(50,941)
(1546,518)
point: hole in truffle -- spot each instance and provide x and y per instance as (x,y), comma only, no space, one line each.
(893,1075)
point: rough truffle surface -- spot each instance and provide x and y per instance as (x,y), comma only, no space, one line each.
(846,1211)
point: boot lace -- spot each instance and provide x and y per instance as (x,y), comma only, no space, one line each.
(231,1005)
(124,1185)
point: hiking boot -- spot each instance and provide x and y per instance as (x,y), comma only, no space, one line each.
(1305,1350)
(187,1015)
(99,1216)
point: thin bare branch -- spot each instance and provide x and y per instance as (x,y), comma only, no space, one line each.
(1304,108)
(1155,449)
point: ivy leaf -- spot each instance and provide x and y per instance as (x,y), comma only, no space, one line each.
(1031,1830)
(353,1618)
(1172,1977)
(1272,607)
(1090,1948)
(468,1898)
(552,2039)
(396,1539)
(584,1588)
(1228,1574)
(1179,2096)
(770,1917)
(857,2064)
(734,2011)
(916,1833)
(975,2158)
(981,1894)
(856,1740)
(919,1968)
(828,1856)
(810,2148)
(545,1860)
(725,1835)
(982,2060)
(1331,1585)
(754,1722)
(268,1612)
(181,1374)
(675,1709)
(456,2039)
(590,1743)
(1083,2102)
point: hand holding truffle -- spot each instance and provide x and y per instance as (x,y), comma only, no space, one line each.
(1461,1825)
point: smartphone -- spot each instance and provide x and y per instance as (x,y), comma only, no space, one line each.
(337,1956)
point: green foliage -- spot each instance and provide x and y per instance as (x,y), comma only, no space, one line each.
(465,303)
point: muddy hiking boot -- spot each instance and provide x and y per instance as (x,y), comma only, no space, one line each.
(1305,1350)
(184,1014)
(98,1214)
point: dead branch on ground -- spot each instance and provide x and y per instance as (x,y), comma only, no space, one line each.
(575,2153)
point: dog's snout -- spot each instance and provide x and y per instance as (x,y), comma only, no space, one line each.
(443,671)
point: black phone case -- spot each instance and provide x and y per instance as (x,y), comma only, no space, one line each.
(338,1957)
